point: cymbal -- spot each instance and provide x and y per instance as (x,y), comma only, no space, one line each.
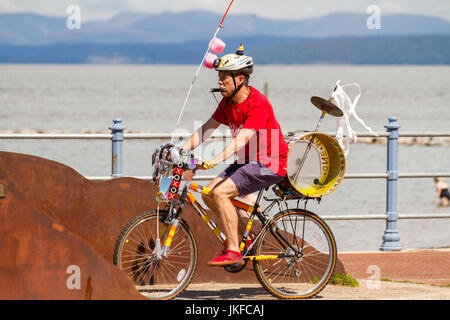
(327,106)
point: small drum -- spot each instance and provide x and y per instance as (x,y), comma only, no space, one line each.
(313,171)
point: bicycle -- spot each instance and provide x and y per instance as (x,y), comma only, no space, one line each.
(294,253)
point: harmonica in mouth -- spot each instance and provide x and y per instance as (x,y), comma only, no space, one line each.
(217,90)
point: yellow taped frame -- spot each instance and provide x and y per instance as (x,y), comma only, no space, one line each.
(217,231)
(249,225)
(203,190)
(247,230)
(170,236)
(262,257)
(206,218)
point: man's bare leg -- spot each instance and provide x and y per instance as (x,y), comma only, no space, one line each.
(220,203)
(249,199)
(209,201)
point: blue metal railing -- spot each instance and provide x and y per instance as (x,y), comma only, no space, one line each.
(391,237)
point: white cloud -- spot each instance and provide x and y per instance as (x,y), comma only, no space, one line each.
(283,9)
(90,9)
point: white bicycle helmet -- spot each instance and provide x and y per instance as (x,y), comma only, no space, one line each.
(235,63)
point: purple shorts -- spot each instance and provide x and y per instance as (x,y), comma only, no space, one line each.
(250,177)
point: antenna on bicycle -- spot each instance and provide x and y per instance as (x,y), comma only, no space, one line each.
(200,66)
(327,107)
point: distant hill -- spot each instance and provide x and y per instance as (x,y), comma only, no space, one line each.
(422,49)
(173,38)
(169,27)
(360,50)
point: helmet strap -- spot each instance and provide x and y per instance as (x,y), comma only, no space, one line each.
(236,90)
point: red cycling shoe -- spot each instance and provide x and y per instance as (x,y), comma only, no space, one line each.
(228,257)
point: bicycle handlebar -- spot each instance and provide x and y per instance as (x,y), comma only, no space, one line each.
(171,161)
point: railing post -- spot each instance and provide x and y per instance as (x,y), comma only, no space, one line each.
(391,237)
(117,139)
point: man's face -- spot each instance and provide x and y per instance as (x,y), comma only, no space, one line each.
(226,83)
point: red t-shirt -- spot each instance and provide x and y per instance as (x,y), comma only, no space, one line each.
(267,145)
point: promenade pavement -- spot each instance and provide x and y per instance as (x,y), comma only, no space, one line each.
(403,275)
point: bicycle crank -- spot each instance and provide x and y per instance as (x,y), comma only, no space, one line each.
(236,268)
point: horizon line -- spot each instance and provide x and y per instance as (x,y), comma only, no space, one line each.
(231,14)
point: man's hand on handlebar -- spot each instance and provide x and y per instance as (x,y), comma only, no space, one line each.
(188,175)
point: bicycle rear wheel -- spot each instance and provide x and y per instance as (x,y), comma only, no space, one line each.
(135,253)
(308,251)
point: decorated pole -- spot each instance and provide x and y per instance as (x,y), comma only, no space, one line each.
(211,43)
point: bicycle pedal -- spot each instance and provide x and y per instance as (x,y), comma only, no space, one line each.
(237,267)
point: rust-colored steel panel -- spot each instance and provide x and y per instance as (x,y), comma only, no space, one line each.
(41,259)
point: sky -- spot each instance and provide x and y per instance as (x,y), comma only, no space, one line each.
(281,9)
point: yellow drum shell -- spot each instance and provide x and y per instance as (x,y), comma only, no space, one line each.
(323,168)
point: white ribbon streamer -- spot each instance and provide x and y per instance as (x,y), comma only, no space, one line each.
(344,132)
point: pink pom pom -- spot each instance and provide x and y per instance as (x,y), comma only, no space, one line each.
(217,45)
(209,60)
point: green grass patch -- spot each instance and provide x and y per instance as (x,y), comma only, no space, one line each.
(409,281)
(346,280)
(414,282)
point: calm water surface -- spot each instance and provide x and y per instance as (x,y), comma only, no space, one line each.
(76,98)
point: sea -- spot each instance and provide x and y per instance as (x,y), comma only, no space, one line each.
(86,98)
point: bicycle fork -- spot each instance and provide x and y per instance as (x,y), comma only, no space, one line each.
(167,243)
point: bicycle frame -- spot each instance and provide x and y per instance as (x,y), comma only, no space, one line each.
(252,210)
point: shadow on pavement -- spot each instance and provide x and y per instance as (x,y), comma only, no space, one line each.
(238,293)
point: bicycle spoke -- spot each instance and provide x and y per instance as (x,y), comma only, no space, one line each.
(137,257)
(309,258)
(134,260)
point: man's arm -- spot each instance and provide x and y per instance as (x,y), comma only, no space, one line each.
(203,133)
(234,146)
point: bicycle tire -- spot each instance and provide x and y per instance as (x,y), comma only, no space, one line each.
(163,279)
(298,276)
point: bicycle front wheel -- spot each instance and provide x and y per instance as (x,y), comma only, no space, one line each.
(307,255)
(156,277)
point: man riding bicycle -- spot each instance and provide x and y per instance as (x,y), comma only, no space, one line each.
(257,141)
